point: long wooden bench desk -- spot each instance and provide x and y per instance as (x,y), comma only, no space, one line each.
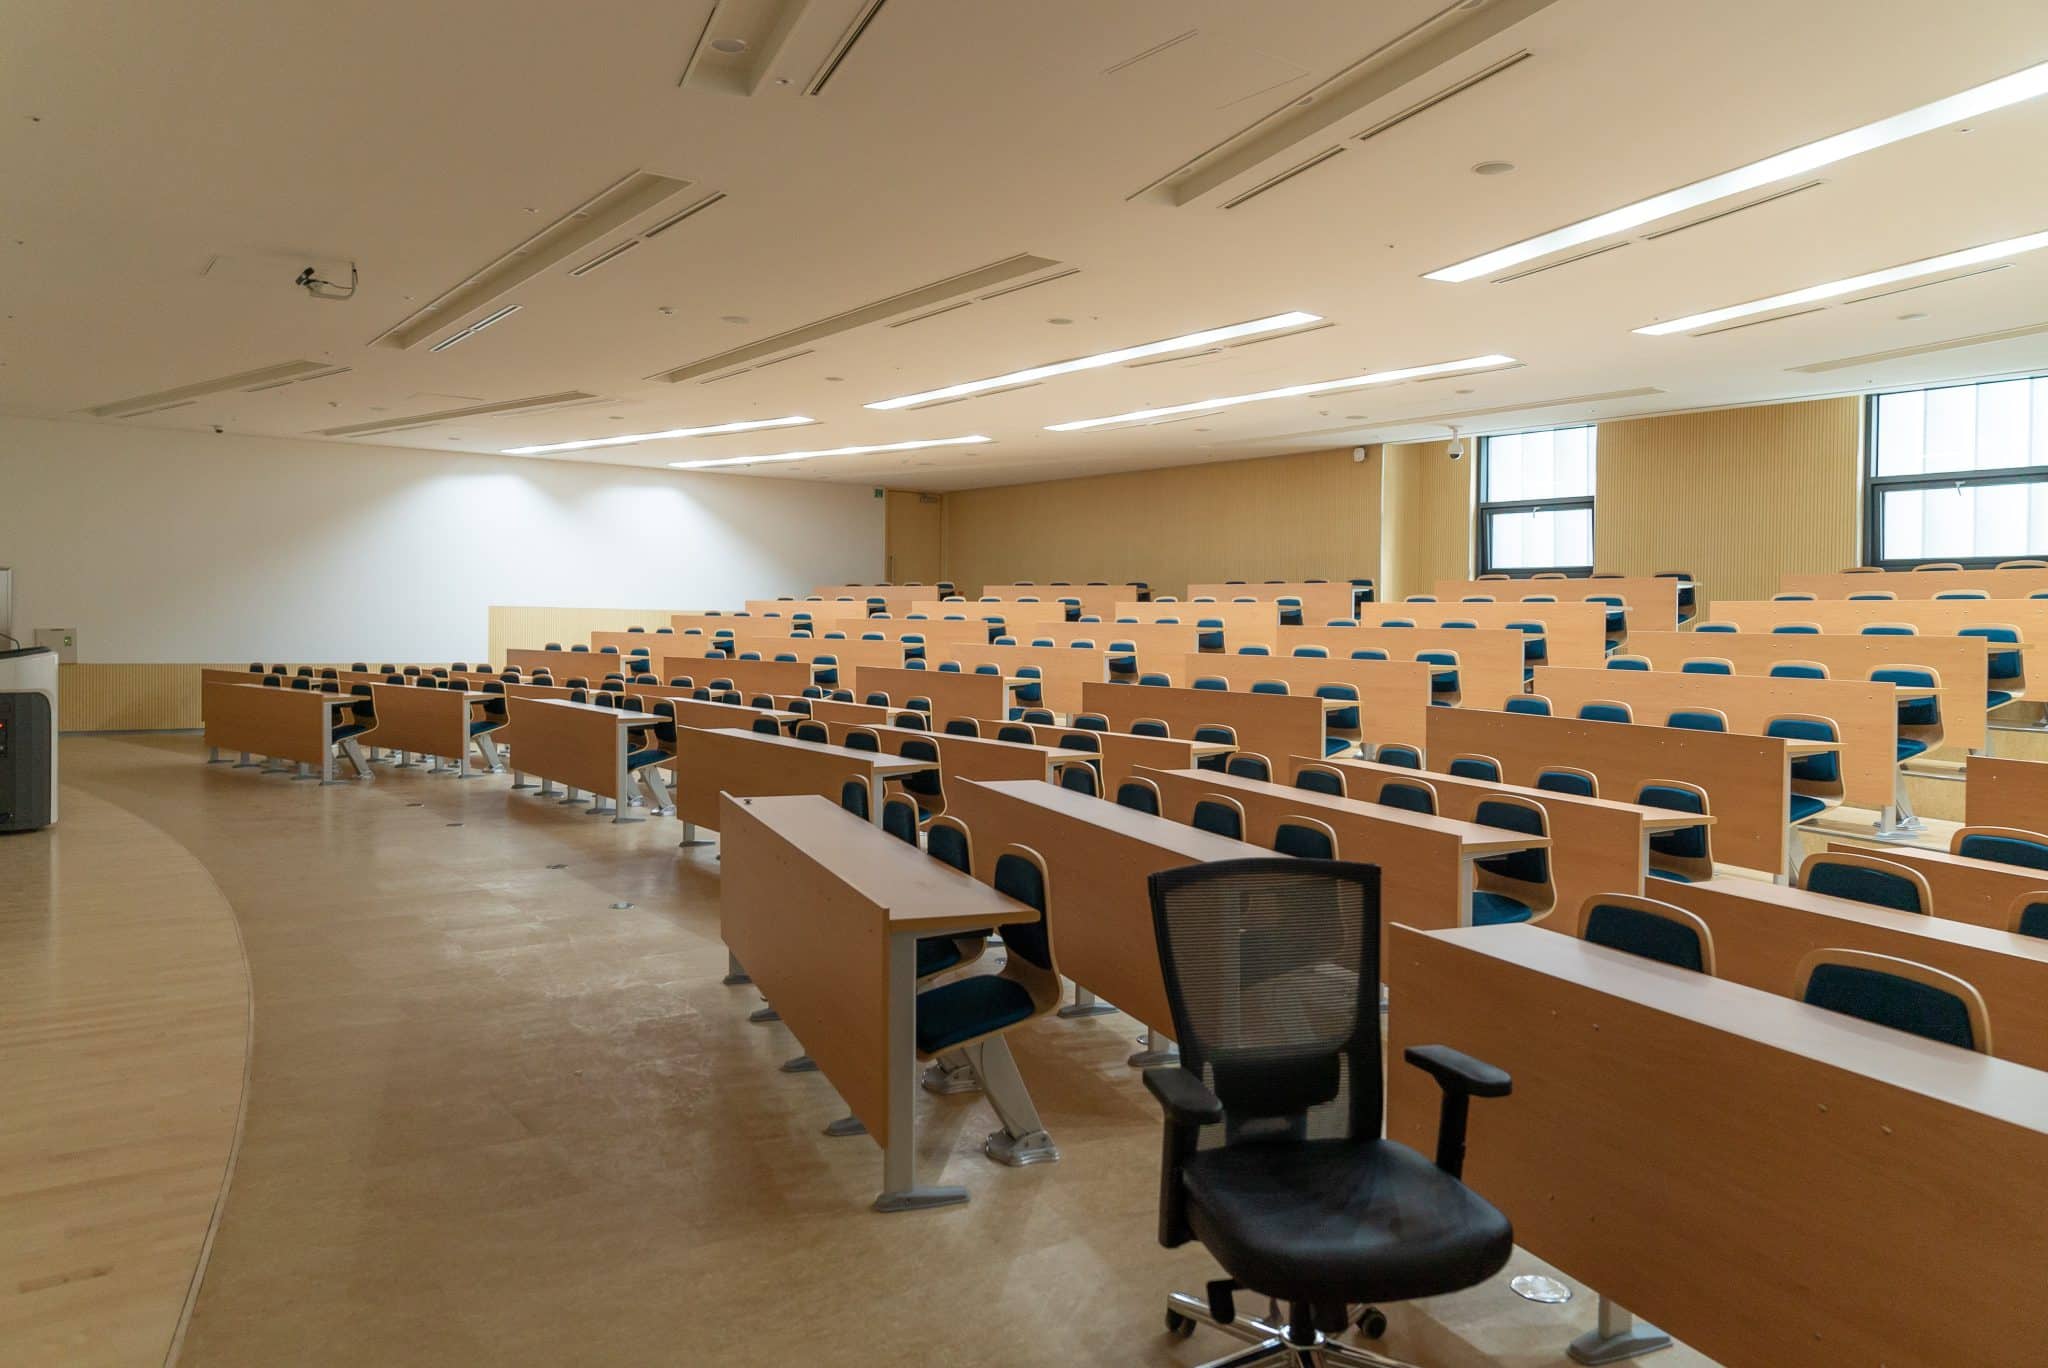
(1094,600)
(580,745)
(567,665)
(1426,870)
(1919,584)
(698,712)
(1242,623)
(845,652)
(818,610)
(1980,892)
(1747,778)
(1098,856)
(1272,725)
(825,911)
(952,695)
(1123,754)
(1866,715)
(1393,695)
(1762,931)
(2007,793)
(1597,845)
(428,722)
(1962,663)
(1932,617)
(746,764)
(1573,633)
(280,724)
(1011,613)
(969,757)
(1772,1183)
(1651,600)
(1062,669)
(1321,600)
(1490,659)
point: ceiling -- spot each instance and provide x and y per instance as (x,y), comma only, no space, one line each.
(172,167)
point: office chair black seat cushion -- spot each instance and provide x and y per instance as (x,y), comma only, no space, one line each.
(1340,1221)
(966,1008)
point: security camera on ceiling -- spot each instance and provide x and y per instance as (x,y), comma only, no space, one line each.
(1456,450)
(310,280)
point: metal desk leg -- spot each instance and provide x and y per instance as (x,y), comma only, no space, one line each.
(623,782)
(735,973)
(519,780)
(1157,1051)
(690,836)
(1617,1337)
(1085,1004)
(1467,880)
(900,1191)
(245,762)
(213,755)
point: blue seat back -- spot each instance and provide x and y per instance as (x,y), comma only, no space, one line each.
(1636,932)
(1860,883)
(1303,842)
(1406,757)
(1685,719)
(2008,850)
(1533,704)
(1409,797)
(1891,1000)
(1525,866)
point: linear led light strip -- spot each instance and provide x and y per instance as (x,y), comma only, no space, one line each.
(1292,392)
(1993,95)
(473,329)
(1969,256)
(629,438)
(1188,342)
(833,451)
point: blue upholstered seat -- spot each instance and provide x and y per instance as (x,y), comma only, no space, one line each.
(1496,909)
(1636,932)
(2009,850)
(1891,1000)
(1860,883)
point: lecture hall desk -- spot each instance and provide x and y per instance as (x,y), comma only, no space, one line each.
(746,764)
(1925,584)
(1425,863)
(1393,695)
(1980,892)
(1097,856)
(1772,1183)
(1123,754)
(2007,793)
(1597,845)
(1490,659)
(969,757)
(1272,725)
(281,724)
(825,911)
(581,745)
(1932,617)
(1761,932)
(1650,600)
(1574,633)
(1062,669)
(1320,600)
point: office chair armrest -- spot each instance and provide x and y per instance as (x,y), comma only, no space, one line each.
(1456,1072)
(1186,1098)
(1462,1078)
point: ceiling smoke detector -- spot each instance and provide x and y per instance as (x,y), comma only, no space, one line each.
(730,46)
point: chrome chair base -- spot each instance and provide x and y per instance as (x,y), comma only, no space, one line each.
(1269,1342)
(1020,1151)
(944,1079)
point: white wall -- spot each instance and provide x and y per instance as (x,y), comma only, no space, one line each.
(173,546)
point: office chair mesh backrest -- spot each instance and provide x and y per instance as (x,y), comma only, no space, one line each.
(1271,969)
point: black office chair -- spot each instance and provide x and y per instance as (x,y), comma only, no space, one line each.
(1272,971)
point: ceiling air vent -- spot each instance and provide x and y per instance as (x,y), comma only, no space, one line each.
(1561,261)
(686,212)
(419,420)
(1923,349)
(1732,210)
(1757,322)
(1289,174)
(242,380)
(1031,284)
(843,48)
(1429,102)
(603,213)
(608,255)
(299,379)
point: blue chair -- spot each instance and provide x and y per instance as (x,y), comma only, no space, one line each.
(1890,629)
(862,739)
(1799,669)
(1687,854)
(1410,795)
(1866,879)
(1219,816)
(1153,679)
(1650,929)
(2008,669)
(1605,710)
(953,667)
(1215,734)
(924,785)
(1401,756)
(1535,646)
(1080,779)
(2030,914)
(1210,637)
(1254,650)
(1698,719)
(1123,661)
(1617,617)
(1080,741)
(1340,725)
(1305,838)
(1139,795)
(1320,779)
(1897,993)
(1816,779)
(1515,887)
(813,732)
(1290,612)
(1715,627)
(1443,688)
(1482,767)
(1039,717)
(1311,652)
(1012,731)
(899,819)
(1707,665)
(1269,686)
(854,797)
(1624,661)
(1796,629)
(1089,721)
(1149,726)
(1566,779)
(1920,725)
(1535,705)
(1368,653)
(981,669)
(1250,765)
(1792,598)
(1214,683)
(1868,598)
(2001,845)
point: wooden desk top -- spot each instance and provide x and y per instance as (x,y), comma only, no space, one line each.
(1473,839)
(1844,909)
(289,691)
(1048,753)
(637,718)
(1176,838)
(920,894)
(1652,818)
(1961,1078)
(880,764)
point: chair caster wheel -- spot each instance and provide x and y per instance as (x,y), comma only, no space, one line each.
(1179,1326)
(1372,1323)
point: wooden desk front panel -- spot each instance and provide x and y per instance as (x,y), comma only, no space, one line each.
(952,695)
(1746,779)
(898,597)
(1975,891)
(822,950)
(1919,584)
(933,629)
(1123,755)
(1273,725)
(2007,793)
(821,610)
(696,712)
(1013,612)
(704,624)
(1393,695)
(655,642)
(1762,931)
(960,757)
(1933,617)
(1097,600)
(848,653)
(1960,661)
(1419,881)
(747,765)
(284,724)
(1064,669)
(565,665)
(858,714)
(751,677)
(1574,633)
(1652,602)
(1865,715)
(423,721)
(574,746)
(1243,623)
(1489,658)
(1691,1147)
(1097,866)
(1596,846)
(1319,602)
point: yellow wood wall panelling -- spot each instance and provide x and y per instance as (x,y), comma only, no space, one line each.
(1427,512)
(1310,516)
(916,536)
(117,697)
(1737,496)
(524,628)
